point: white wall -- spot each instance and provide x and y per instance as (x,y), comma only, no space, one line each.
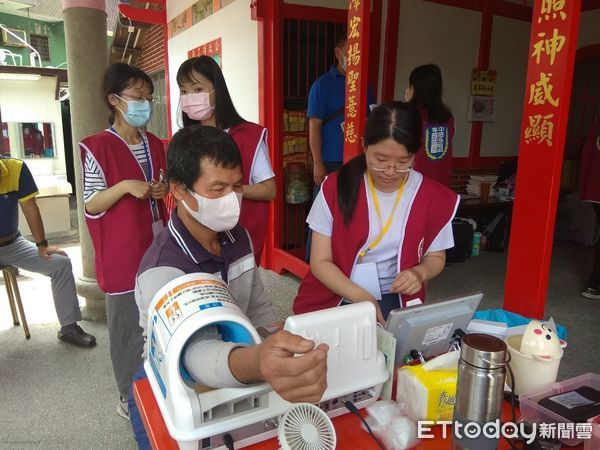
(589,28)
(239,40)
(33,101)
(448,37)
(509,56)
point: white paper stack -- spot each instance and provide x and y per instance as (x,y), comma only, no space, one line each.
(474,183)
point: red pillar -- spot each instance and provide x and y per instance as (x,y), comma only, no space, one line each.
(483,62)
(357,76)
(390,51)
(553,42)
(375,45)
(270,93)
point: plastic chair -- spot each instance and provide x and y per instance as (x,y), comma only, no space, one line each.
(14,297)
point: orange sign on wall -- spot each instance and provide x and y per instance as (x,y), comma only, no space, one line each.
(212,48)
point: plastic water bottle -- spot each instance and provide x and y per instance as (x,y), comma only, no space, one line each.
(476,243)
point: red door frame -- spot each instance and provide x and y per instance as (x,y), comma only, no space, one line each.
(270,15)
(270,103)
(302,12)
(375,45)
(390,50)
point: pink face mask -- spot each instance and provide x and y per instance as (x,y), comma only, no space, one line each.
(197,105)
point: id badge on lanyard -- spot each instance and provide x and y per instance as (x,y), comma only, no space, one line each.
(365,274)
(157,227)
(157,224)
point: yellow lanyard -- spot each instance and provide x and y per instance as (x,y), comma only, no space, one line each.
(386,227)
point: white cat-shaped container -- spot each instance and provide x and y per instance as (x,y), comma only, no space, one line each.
(535,356)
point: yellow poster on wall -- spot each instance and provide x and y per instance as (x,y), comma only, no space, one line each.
(483,83)
(482,98)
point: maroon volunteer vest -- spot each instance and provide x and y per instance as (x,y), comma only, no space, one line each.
(123,233)
(254,214)
(433,207)
(434,158)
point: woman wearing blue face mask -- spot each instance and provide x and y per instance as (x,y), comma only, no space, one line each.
(123,191)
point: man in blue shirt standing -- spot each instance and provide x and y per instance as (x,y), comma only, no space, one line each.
(18,188)
(326,115)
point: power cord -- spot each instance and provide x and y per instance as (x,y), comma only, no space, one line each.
(512,391)
(512,404)
(354,410)
(228,440)
(535,445)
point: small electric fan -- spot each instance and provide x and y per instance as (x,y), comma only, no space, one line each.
(306,427)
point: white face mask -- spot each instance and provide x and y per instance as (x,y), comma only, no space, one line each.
(218,214)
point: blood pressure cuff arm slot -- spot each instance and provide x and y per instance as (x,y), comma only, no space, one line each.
(206,356)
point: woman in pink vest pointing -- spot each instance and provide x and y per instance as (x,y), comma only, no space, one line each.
(205,99)
(123,190)
(380,229)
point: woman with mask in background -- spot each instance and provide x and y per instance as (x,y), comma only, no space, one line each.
(380,229)
(434,159)
(123,188)
(205,99)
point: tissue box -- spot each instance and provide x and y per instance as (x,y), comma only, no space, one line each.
(429,395)
(498,329)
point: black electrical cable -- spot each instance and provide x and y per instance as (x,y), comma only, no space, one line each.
(354,410)
(228,440)
(512,404)
(512,389)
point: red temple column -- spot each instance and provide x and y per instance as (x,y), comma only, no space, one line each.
(553,42)
(357,76)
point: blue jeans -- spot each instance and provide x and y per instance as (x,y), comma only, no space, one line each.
(387,303)
(137,424)
(329,167)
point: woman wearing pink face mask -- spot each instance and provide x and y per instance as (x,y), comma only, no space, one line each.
(205,99)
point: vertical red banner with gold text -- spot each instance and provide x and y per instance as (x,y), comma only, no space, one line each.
(553,42)
(357,71)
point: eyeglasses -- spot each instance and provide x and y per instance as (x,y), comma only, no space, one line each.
(398,167)
(150,98)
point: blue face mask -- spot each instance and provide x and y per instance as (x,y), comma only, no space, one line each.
(138,112)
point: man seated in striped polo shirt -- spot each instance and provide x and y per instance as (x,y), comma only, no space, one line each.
(203,235)
(17,187)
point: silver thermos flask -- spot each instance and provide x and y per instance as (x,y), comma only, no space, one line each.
(479,390)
